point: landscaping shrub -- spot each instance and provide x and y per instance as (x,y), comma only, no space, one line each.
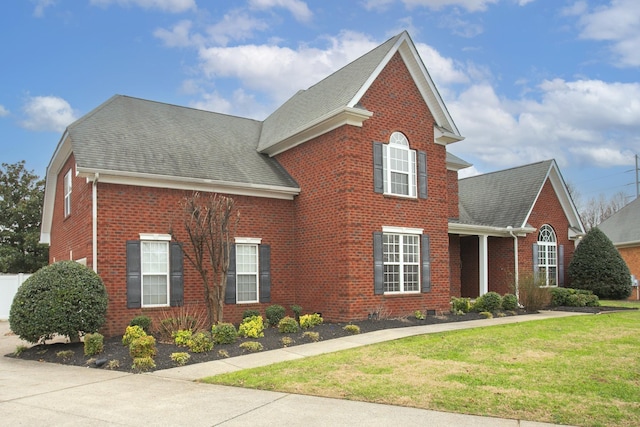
(251,346)
(224,333)
(352,329)
(559,296)
(597,266)
(200,342)
(143,347)
(252,327)
(250,313)
(509,302)
(310,320)
(142,364)
(93,344)
(460,305)
(286,341)
(311,336)
(532,296)
(64,298)
(180,358)
(486,314)
(182,337)
(143,321)
(297,311)
(491,301)
(187,317)
(418,314)
(131,333)
(65,355)
(573,298)
(288,325)
(274,314)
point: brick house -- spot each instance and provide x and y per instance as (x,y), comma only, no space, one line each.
(623,229)
(348,199)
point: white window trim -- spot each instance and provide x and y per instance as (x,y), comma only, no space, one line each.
(68,186)
(154,238)
(255,243)
(544,268)
(404,231)
(412,174)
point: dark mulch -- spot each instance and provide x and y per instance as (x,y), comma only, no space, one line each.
(114,350)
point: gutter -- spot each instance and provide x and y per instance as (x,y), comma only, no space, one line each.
(94,222)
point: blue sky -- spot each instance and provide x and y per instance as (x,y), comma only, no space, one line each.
(524,80)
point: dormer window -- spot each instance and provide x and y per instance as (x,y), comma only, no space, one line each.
(399,170)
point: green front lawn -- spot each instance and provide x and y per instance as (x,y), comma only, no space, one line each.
(582,370)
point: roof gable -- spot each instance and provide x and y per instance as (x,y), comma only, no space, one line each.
(623,227)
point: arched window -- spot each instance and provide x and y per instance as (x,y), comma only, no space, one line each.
(399,166)
(547,256)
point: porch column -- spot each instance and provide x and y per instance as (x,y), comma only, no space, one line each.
(483,267)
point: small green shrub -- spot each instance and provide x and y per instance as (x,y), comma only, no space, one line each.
(64,298)
(224,333)
(274,314)
(501,314)
(93,344)
(65,355)
(352,329)
(491,301)
(286,341)
(308,321)
(113,364)
(311,336)
(573,298)
(460,304)
(251,346)
(223,353)
(297,310)
(143,321)
(252,327)
(509,302)
(19,350)
(142,364)
(486,314)
(143,347)
(182,337)
(288,325)
(250,313)
(418,314)
(180,358)
(132,333)
(200,342)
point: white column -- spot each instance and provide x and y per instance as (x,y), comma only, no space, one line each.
(483,267)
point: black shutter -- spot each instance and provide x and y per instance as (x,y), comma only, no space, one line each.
(230,290)
(378,264)
(134,275)
(265,273)
(426,263)
(176,284)
(422,175)
(561,265)
(378,168)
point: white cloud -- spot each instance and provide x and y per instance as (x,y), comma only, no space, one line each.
(236,25)
(469,5)
(298,9)
(443,70)
(171,6)
(41,5)
(47,113)
(3,111)
(178,36)
(619,24)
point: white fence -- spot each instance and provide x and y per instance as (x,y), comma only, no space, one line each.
(9,284)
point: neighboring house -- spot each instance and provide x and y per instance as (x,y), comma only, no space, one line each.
(514,223)
(623,229)
(347,195)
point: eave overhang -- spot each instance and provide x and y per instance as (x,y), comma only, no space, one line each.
(486,230)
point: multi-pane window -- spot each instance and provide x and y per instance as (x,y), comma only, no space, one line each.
(547,256)
(247,273)
(401,257)
(399,166)
(155,273)
(67,193)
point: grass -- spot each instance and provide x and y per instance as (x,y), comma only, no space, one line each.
(581,370)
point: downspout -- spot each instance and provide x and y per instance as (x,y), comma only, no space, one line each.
(515,254)
(94,222)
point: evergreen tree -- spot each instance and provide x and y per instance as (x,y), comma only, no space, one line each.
(598,267)
(21,198)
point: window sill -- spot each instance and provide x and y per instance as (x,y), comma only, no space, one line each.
(402,294)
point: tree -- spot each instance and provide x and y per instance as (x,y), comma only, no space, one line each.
(21,198)
(64,298)
(210,222)
(598,267)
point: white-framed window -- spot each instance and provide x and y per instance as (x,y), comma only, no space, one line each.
(547,256)
(247,270)
(399,163)
(401,258)
(67,193)
(155,270)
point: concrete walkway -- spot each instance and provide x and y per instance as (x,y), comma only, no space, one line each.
(33,393)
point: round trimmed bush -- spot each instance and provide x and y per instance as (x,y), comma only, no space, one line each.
(509,302)
(64,298)
(491,301)
(288,325)
(274,313)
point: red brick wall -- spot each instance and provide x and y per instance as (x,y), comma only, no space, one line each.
(501,265)
(452,194)
(632,257)
(338,211)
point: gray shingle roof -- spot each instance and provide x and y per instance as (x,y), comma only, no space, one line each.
(624,225)
(324,97)
(138,136)
(503,198)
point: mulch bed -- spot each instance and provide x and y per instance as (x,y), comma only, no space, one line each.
(114,350)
